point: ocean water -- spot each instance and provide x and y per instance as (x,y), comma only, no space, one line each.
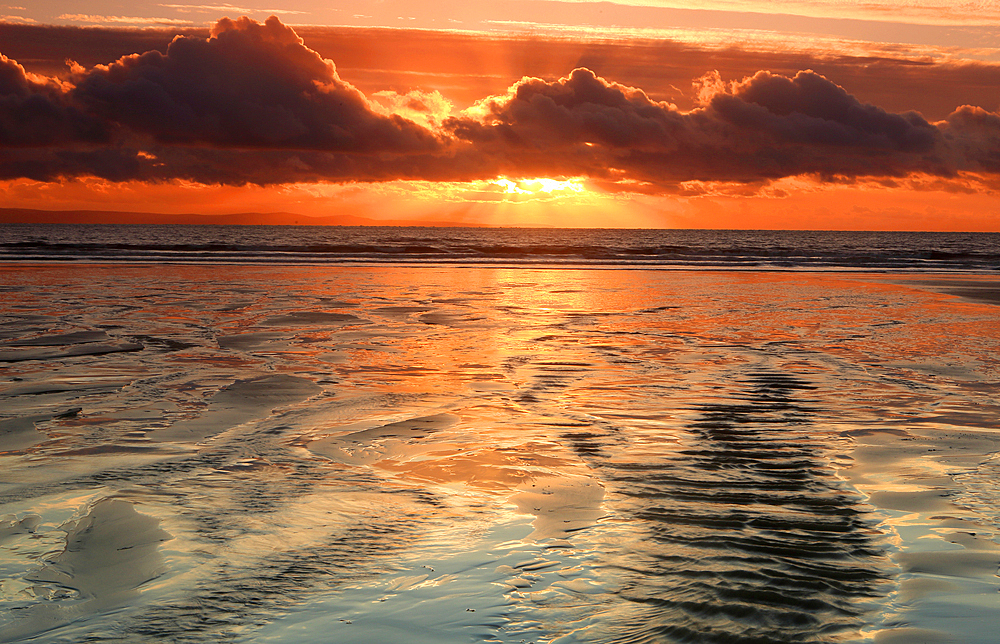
(315,245)
(485,451)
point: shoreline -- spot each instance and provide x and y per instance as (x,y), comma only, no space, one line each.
(903,273)
(962,287)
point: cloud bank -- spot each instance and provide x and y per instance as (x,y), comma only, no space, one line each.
(251,103)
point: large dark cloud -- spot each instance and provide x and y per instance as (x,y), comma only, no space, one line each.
(766,127)
(467,66)
(248,85)
(252,103)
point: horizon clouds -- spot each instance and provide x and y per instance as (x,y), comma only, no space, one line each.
(252,104)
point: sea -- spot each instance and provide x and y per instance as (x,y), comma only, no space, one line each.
(686,249)
(299,435)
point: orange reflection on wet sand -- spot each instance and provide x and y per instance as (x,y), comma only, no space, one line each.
(609,454)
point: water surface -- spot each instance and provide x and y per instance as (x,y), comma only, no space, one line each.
(666,249)
(197,453)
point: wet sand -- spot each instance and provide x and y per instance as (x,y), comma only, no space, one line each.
(486,454)
(974,289)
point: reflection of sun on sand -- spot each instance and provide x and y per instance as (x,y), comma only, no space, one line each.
(382,442)
(605,454)
(109,554)
(240,402)
(560,503)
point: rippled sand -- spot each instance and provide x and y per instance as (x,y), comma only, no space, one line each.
(371,454)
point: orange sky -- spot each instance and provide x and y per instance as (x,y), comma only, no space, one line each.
(536,119)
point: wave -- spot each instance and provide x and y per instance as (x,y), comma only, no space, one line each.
(679,249)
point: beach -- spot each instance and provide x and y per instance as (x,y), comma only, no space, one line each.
(470,453)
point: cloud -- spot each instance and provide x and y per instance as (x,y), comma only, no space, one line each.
(973,136)
(214,8)
(251,103)
(249,85)
(122,20)
(763,128)
(34,112)
(581,108)
(466,67)
(425,108)
(810,109)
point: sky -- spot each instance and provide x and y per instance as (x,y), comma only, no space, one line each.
(836,114)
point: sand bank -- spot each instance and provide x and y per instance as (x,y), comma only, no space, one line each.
(108,555)
(982,288)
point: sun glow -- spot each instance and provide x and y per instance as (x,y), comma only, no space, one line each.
(539,185)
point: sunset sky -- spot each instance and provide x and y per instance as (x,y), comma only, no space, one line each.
(851,114)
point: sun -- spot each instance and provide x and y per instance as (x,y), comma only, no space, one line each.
(538,186)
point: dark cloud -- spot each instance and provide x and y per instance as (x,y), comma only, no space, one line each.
(766,127)
(465,66)
(35,112)
(248,85)
(973,135)
(251,103)
(581,108)
(810,109)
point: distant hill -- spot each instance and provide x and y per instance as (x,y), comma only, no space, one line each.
(34,216)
